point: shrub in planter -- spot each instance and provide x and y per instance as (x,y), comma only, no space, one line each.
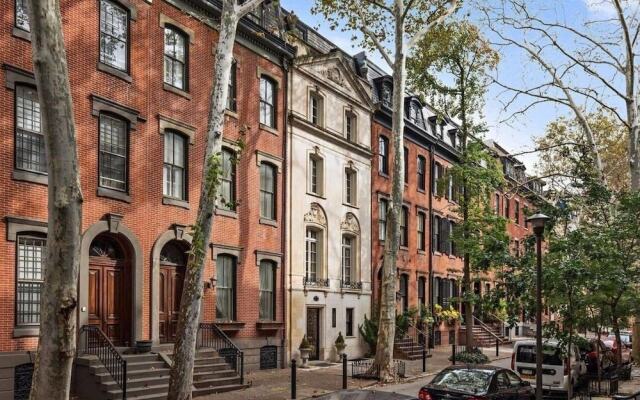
(473,356)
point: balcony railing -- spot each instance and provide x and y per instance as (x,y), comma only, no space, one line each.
(315,282)
(348,284)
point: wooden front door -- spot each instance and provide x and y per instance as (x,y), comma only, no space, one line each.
(171,282)
(313,332)
(109,304)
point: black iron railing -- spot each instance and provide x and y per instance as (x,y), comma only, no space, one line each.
(94,341)
(418,336)
(347,284)
(366,369)
(311,282)
(210,336)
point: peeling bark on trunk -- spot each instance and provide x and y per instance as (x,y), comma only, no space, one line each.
(57,341)
(181,378)
(387,324)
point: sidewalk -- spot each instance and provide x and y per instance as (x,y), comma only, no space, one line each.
(325,377)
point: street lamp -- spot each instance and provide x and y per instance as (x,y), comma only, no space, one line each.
(537,222)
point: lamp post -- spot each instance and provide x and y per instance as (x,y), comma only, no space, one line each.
(537,222)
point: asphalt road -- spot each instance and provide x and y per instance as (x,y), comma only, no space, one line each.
(412,388)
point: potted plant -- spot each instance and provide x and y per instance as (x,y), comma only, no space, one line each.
(305,350)
(340,345)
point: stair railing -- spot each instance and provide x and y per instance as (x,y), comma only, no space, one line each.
(486,329)
(210,336)
(94,341)
(503,323)
(418,336)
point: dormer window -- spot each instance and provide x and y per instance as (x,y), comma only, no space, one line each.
(453,136)
(386,94)
(415,114)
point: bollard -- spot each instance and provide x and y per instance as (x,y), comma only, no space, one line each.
(453,354)
(293,379)
(344,371)
(497,347)
(424,359)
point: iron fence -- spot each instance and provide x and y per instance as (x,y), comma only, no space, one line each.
(366,369)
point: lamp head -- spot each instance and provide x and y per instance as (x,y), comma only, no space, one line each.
(538,222)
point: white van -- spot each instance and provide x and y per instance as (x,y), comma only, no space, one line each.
(555,368)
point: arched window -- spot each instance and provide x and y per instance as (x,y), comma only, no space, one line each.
(267,290)
(175,165)
(225,288)
(383,155)
(227,188)
(268,177)
(176,65)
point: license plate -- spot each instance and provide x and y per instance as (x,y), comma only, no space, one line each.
(526,373)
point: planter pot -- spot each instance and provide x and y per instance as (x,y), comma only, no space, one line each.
(304,355)
(143,346)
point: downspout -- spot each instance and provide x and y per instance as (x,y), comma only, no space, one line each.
(283,237)
(431,167)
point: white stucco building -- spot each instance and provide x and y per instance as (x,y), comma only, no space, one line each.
(329,204)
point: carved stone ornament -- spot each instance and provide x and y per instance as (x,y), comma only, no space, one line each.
(350,223)
(316,215)
(333,74)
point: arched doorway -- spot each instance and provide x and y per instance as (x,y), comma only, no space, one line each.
(173,261)
(110,288)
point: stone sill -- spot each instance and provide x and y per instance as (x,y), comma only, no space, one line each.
(230,326)
(269,325)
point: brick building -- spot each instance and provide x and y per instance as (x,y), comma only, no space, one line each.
(140,77)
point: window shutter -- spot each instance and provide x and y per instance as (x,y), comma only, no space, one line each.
(444,236)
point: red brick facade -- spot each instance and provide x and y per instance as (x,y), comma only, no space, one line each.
(144,95)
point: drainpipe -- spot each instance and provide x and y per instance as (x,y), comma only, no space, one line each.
(283,236)
(430,285)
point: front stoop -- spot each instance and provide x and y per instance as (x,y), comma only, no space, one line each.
(148,377)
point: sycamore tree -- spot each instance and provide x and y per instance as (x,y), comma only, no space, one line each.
(58,310)
(449,66)
(393,28)
(181,377)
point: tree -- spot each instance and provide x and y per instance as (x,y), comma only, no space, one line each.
(181,378)
(393,28)
(58,311)
(589,64)
(450,66)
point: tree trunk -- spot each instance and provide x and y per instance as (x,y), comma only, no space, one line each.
(181,377)
(387,327)
(57,341)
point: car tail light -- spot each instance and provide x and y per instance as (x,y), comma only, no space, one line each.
(424,394)
(513,361)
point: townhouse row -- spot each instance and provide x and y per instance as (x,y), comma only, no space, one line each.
(300,220)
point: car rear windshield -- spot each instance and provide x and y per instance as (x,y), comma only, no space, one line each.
(550,355)
(464,380)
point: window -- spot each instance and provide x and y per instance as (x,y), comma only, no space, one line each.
(497,204)
(516,216)
(22,15)
(30,149)
(386,95)
(350,186)
(516,245)
(316,175)
(383,155)
(406,165)
(333,317)
(175,58)
(267,291)
(174,165)
(225,289)
(421,227)
(349,321)
(267,191)
(452,245)
(113,153)
(404,292)
(30,260)
(507,211)
(421,169)
(267,102)
(350,127)
(347,259)
(311,255)
(316,109)
(231,96)
(383,205)
(114,35)
(448,194)
(435,232)
(444,236)
(438,175)
(227,188)
(404,232)
(422,290)
(437,283)
(526,217)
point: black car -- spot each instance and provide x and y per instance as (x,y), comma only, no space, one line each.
(355,394)
(477,383)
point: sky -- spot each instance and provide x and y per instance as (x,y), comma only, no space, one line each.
(514,135)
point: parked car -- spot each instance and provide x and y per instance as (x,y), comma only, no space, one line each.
(594,352)
(356,394)
(558,371)
(476,383)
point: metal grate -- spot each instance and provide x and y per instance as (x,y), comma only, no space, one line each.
(268,357)
(22,381)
